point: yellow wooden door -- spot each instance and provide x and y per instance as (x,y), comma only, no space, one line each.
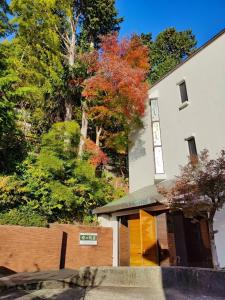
(135,242)
(148,239)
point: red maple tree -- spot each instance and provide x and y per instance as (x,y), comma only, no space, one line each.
(118,85)
(97,156)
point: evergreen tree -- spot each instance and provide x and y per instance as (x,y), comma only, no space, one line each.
(5,26)
(168,49)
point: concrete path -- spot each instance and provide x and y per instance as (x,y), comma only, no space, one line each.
(101,293)
(122,283)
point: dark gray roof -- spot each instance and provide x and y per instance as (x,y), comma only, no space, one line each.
(145,196)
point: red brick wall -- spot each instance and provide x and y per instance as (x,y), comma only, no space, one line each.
(24,249)
(82,255)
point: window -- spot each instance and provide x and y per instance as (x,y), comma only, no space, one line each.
(157,144)
(192,149)
(183,92)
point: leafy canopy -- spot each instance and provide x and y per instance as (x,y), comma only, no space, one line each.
(5,26)
(168,49)
(200,187)
(54,183)
(116,92)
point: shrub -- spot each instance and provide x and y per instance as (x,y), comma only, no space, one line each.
(24,216)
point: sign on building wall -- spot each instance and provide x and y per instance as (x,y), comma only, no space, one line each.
(88,238)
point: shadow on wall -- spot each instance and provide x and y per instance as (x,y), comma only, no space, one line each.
(157,254)
(63,250)
(6,271)
(137,150)
(193,283)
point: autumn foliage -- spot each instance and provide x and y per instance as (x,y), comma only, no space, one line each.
(119,82)
(97,156)
(200,191)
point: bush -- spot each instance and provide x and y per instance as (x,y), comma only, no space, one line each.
(24,216)
(54,184)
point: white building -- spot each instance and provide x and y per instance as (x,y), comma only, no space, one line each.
(185,114)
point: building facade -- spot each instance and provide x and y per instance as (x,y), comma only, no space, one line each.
(185,114)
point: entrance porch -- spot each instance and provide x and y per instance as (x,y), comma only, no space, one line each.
(147,233)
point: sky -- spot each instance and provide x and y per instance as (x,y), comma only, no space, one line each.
(205,17)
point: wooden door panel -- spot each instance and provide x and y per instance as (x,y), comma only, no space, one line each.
(124,245)
(148,239)
(135,242)
(162,238)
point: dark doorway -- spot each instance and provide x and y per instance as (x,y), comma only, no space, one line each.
(191,246)
(197,241)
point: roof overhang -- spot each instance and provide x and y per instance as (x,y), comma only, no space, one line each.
(146,196)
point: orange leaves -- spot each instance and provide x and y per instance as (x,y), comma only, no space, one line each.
(137,55)
(119,80)
(99,113)
(97,156)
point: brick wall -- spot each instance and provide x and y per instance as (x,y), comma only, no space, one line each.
(82,255)
(26,249)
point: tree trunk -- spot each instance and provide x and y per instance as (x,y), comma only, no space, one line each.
(98,134)
(72,42)
(68,110)
(71,61)
(213,244)
(83,131)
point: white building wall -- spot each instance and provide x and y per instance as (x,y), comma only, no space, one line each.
(203,118)
(111,221)
(141,161)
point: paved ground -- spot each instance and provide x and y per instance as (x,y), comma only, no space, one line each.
(63,285)
(101,293)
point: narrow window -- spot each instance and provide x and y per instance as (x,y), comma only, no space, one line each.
(183,92)
(192,147)
(157,144)
(192,150)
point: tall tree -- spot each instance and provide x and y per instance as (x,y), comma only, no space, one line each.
(168,49)
(5,26)
(117,91)
(200,191)
(47,47)
(83,21)
(35,60)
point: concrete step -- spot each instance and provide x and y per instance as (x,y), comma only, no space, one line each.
(194,281)
(103,293)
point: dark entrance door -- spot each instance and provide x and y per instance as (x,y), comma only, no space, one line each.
(191,241)
(197,241)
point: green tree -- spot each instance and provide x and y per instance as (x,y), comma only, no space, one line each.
(5,26)
(35,60)
(45,53)
(84,22)
(168,49)
(12,144)
(54,183)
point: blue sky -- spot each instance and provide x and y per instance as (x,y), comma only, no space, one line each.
(204,17)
